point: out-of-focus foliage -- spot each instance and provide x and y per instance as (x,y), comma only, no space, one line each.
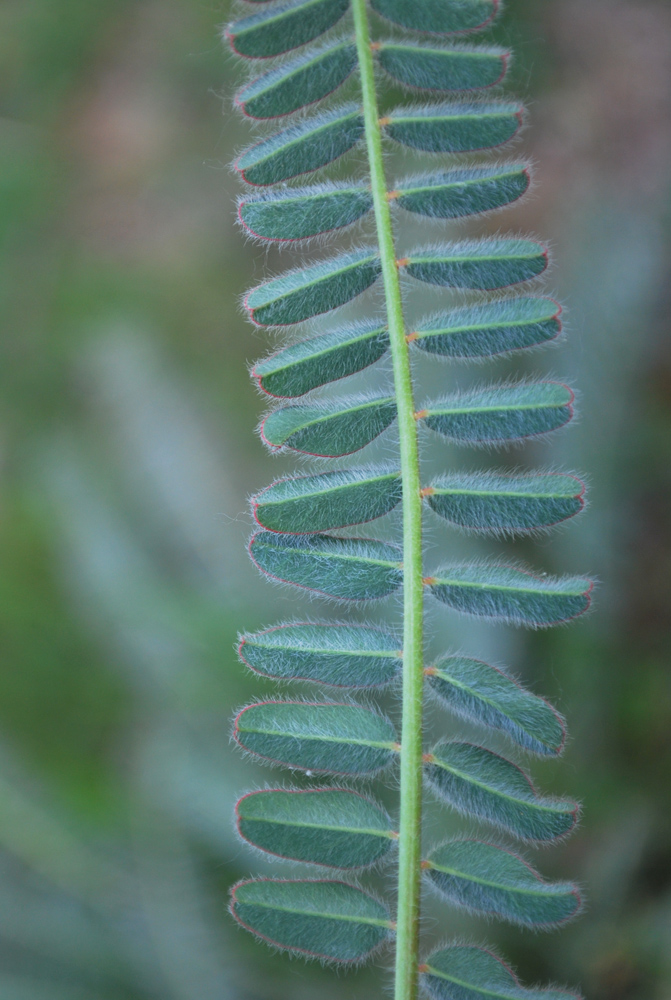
(127,457)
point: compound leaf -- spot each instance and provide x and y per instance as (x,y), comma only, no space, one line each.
(494,881)
(283,26)
(454,194)
(297,369)
(302,147)
(331,921)
(298,213)
(509,594)
(438,15)
(319,736)
(455,128)
(334,499)
(328,429)
(502,503)
(354,569)
(498,414)
(485,694)
(446,69)
(356,656)
(488,329)
(464,972)
(300,81)
(323,826)
(478,264)
(303,293)
(477,782)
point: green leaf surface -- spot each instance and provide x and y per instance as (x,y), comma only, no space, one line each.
(477,782)
(298,213)
(302,148)
(509,594)
(320,736)
(457,193)
(354,569)
(280,27)
(485,694)
(440,16)
(304,366)
(478,264)
(328,429)
(324,826)
(491,328)
(501,503)
(301,81)
(496,414)
(331,921)
(355,656)
(334,499)
(493,881)
(464,972)
(310,291)
(455,128)
(447,69)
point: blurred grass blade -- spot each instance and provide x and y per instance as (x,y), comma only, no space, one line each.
(325,826)
(331,921)
(283,26)
(319,736)
(338,655)
(477,782)
(464,972)
(302,148)
(440,16)
(298,213)
(437,68)
(509,594)
(495,882)
(328,430)
(311,291)
(504,503)
(300,81)
(490,328)
(455,128)
(454,194)
(334,499)
(354,569)
(497,414)
(304,366)
(478,264)
(487,695)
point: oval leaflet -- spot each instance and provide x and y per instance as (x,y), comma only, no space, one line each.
(494,881)
(487,695)
(335,654)
(504,503)
(327,430)
(308,364)
(319,919)
(464,971)
(295,84)
(317,736)
(510,594)
(334,827)
(355,569)
(480,783)
(308,504)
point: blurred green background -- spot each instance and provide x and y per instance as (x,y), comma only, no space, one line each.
(127,453)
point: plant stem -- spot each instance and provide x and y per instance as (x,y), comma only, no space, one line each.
(407,929)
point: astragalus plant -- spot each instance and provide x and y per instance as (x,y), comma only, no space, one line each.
(490,310)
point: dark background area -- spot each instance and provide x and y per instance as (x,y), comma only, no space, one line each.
(127,453)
